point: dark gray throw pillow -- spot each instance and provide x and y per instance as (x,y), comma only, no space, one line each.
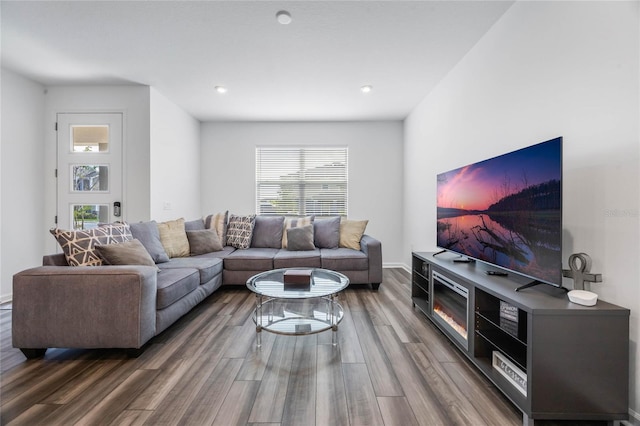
(147,233)
(127,253)
(267,232)
(203,241)
(326,233)
(300,238)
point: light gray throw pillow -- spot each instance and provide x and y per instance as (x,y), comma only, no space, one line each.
(300,238)
(147,233)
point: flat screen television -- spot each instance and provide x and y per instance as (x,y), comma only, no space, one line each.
(507,211)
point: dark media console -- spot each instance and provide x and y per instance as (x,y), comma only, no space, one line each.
(555,360)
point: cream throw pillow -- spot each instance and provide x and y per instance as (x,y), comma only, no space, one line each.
(351,232)
(218,222)
(174,238)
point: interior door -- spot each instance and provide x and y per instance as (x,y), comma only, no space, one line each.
(89,169)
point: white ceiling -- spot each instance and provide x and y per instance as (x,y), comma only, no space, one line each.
(311,69)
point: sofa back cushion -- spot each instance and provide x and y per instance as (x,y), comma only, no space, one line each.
(326,232)
(267,232)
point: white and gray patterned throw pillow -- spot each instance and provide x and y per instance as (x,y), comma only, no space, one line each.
(240,231)
(78,246)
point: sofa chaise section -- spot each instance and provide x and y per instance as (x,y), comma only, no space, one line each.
(83,307)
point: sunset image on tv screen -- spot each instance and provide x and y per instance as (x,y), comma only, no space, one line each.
(506,211)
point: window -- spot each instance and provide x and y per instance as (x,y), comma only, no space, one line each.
(302,181)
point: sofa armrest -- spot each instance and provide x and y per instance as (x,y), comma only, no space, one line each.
(373,249)
(84,307)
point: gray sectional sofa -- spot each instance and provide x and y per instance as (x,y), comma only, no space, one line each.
(124,306)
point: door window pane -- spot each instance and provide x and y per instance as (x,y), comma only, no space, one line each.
(90,138)
(89,177)
(87,216)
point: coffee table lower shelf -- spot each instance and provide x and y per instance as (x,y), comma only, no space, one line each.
(297,317)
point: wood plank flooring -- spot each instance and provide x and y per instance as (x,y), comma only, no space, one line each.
(391,367)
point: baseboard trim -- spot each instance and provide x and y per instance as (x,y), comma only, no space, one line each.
(396,265)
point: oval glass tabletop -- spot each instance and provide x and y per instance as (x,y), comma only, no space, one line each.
(322,282)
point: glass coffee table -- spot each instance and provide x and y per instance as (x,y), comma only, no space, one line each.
(297,309)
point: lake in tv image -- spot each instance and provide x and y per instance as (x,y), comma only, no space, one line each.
(506,211)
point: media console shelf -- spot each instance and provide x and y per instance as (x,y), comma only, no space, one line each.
(555,360)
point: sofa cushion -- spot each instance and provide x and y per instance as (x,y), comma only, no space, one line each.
(226,251)
(219,223)
(203,241)
(78,246)
(194,225)
(344,259)
(351,232)
(326,232)
(174,284)
(125,253)
(240,231)
(267,232)
(174,238)
(252,259)
(300,238)
(207,267)
(295,259)
(149,235)
(292,222)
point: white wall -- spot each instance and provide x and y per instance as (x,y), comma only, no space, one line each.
(133,102)
(175,161)
(21,177)
(547,69)
(375,169)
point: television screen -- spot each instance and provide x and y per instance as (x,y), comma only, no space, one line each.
(507,211)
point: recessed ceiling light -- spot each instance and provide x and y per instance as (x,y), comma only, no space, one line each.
(366,88)
(283,17)
(221,89)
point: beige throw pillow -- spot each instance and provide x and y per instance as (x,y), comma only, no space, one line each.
(351,232)
(219,222)
(174,238)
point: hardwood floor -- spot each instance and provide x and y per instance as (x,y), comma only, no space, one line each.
(391,367)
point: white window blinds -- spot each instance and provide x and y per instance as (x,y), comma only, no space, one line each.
(302,180)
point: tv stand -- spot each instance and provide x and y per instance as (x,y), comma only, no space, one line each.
(535,283)
(438,252)
(553,359)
